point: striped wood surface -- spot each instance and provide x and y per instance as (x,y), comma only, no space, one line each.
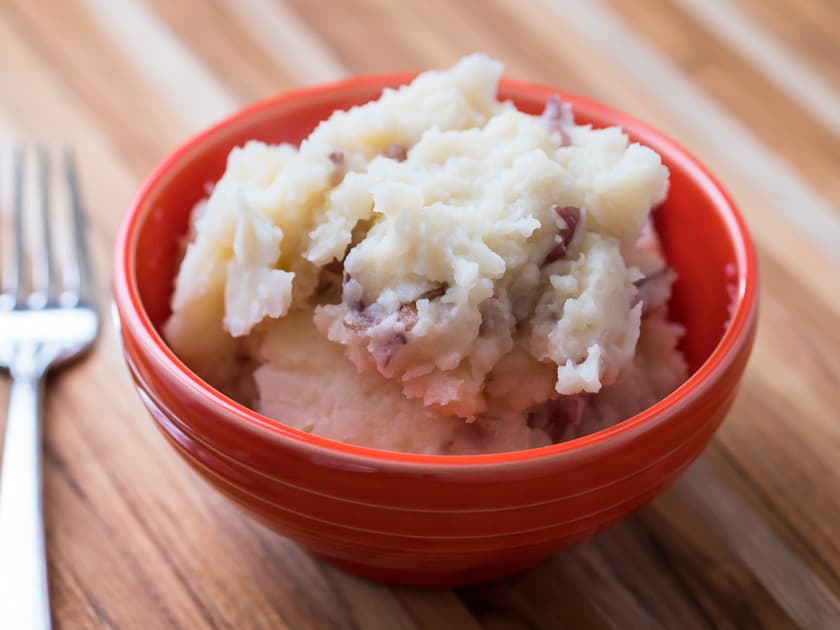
(747,538)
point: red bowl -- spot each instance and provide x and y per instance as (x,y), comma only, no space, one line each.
(424,519)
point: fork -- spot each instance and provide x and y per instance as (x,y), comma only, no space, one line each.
(44,323)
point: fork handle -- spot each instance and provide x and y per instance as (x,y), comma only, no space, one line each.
(24,600)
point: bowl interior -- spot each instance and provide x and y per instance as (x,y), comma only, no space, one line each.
(698,236)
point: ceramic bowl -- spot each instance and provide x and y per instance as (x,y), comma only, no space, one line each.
(422,519)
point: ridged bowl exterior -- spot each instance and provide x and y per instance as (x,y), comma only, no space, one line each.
(436,520)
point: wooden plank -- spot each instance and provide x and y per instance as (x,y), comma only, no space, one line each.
(236,58)
(436,608)
(538,598)
(775,569)
(286,38)
(100,77)
(760,105)
(767,54)
(806,26)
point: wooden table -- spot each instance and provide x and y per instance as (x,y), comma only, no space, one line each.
(749,537)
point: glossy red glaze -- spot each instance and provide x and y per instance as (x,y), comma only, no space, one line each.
(420,519)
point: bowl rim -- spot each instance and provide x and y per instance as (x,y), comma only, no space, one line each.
(133,316)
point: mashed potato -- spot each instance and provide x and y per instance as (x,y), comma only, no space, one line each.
(436,272)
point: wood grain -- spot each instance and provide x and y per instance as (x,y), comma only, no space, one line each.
(747,538)
(722,73)
(806,26)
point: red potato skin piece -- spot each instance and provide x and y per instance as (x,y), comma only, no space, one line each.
(559,117)
(396,152)
(570,217)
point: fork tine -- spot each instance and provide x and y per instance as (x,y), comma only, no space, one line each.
(18,270)
(82,271)
(6,300)
(46,281)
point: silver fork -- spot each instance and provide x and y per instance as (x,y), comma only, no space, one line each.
(43,324)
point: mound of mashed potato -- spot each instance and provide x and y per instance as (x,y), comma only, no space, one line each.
(434,272)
